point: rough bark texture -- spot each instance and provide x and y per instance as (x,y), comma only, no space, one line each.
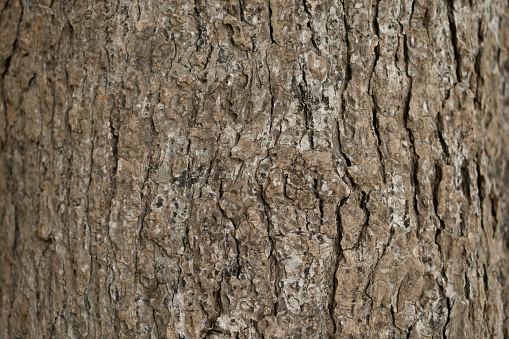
(254,169)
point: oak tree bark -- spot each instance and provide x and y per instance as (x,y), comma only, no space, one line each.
(254,169)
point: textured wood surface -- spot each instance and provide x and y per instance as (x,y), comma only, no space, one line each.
(254,169)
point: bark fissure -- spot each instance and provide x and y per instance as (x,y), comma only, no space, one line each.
(375,121)
(271,29)
(454,38)
(338,257)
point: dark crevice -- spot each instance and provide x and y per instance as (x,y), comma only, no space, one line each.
(348,162)
(436,186)
(348,70)
(465,180)
(454,38)
(199,27)
(87,207)
(409,332)
(379,141)
(443,277)
(363,205)
(481,186)
(15,43)
(415,183)
(271,93)
(440,134)
(485,280)
(467,296)
(375,121)
(449,308)
(241,11)
(317,196)
(441,282)
(308,117)
(487,292)
(7,64)
(494,200)
(114,149)
(339,256)
(346,81)
(477,65)
(411,138)
(219,301)
(271,29)
(238,269)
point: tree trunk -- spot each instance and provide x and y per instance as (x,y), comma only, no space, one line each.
(254,169)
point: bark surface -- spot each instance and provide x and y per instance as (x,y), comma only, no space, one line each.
(254,169)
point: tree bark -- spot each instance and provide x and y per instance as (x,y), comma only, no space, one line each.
(254,169)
